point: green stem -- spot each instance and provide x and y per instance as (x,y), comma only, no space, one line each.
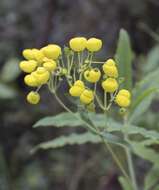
(100,62)
(116,160)
(68,110)
(97,132)
(130,161)
(131,169)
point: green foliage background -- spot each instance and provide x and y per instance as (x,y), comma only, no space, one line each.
(35,23)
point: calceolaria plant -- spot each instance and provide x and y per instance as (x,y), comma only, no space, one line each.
(102,97)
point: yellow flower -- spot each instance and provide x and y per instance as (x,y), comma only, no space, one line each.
(78,44)
(125,93)
(79,83)
(52,51)
(41,75)
(87,96)
(122,101)
(110,62)
(77,89)
(33,97)
(50,65)
(28,66)
(30,80)
(92,75)
(28,54)
(94,44)
(110,85)
(38,55)
(110,69)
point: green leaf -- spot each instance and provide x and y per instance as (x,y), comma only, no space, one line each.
(98,120)
(7,92)
(157,187)
(60,120)
(146,153)
(152,60)
(78,139)
(73,139)
(124,58)
(10,70)
(150,81)
(141,103)
(151,178)
(124,183)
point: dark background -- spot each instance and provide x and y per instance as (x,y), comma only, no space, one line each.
(35,23)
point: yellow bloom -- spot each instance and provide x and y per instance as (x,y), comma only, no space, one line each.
(28,66)
(110,62)
(110,85)
(125,93)
(79,83)
(30,80)
(78,44)
(38,55)
(94,44)
(87,96)
(41,75)
(77,89)
(122,101)
(52,51)
(110,69)
(28,54)
(50,65)
(92,75)
(33,97)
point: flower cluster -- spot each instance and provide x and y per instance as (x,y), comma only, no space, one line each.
(39,65)
(49,65)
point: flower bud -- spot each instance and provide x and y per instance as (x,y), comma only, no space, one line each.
(94,44)
(110,85)
(38,55)
(122,101)
(79,83)
(125,93)
(41,75)
(92,75)
(50,65)
(77,89)
(28,54)
(33,97)
(28,66)
(110,69)
(87,96)
(52,51)
(30,80)
(78,44)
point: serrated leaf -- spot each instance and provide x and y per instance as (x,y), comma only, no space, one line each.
(60,120)
(73,139)
(10,70)
(98,120)
(151,178)
(124,183)
(78,139)
(124,58)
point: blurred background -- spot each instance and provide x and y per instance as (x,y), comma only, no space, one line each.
(34,23)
